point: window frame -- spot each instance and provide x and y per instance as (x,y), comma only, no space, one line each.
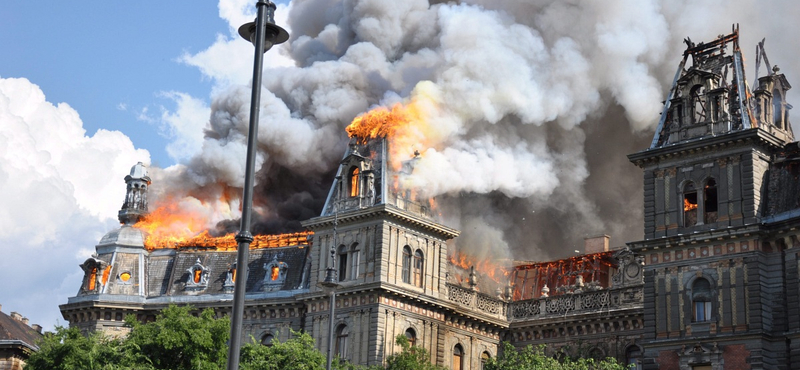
(406,265)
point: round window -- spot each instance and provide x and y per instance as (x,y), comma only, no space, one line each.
(125,276)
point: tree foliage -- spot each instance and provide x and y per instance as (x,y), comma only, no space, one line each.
(177,340)
(410,357)
(534,358)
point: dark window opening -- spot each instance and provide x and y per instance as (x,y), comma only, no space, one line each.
(710,203)
(267,340)
(342,263)
(341,341)
(412,336)
(689,205)
(633,358)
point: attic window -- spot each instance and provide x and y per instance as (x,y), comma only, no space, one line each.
(275,275)
(198,276)
(125,276)
(354,175)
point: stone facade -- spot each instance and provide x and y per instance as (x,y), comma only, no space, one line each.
(713,284)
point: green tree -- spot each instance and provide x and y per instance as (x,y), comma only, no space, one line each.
(68,349)
(298,352)
(178,340)
(530,358)
(410,357)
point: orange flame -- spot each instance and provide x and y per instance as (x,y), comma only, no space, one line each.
(688,206)
(407,125)
(274,274)
(486,267)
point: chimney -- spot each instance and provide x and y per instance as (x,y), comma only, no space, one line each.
(25,320)
(16,316)
(37,327)
(596,244)
(1,308)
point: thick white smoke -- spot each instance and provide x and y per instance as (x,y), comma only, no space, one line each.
(60,190)
(537,104)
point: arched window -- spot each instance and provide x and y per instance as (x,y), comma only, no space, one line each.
(485,356)
(699,103)
(633,358)
(354,175)
(458,357)
(710,202)
(267,339)
(689,205)
(406,264)
(355,256)
(412,336)
(341,341)
(597,354)
(419,265)
(701,300)
(342,263)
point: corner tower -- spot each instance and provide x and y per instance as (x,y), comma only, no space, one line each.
(714,292)
(390,257)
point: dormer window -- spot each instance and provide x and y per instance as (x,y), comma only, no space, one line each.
(198,276)
(95,275)
(275,275)
(230,278)
(354,182)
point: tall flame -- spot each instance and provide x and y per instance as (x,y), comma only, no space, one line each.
(407,125)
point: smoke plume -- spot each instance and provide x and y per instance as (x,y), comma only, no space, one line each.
(536,105)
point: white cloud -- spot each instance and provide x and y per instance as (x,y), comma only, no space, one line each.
(59,188)
(184,125)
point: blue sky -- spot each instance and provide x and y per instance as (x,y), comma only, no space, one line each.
(109,60)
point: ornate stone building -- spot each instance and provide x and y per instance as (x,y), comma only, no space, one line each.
(713,284)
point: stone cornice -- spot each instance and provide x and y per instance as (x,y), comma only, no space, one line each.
(386,212)
(705,145)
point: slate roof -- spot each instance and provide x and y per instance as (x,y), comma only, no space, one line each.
(12,330)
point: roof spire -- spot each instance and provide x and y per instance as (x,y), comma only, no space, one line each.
(135,206)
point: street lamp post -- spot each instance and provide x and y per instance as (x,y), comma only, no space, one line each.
(330,284)
(263,33)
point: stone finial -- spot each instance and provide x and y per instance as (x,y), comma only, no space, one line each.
(545,291)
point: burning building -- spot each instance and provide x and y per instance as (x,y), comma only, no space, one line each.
(713,282)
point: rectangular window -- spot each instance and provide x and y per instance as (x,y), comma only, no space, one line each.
(702,311)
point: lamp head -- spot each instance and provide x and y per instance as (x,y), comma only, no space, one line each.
(273,34)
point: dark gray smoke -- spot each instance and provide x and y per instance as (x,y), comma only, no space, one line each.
(536,104)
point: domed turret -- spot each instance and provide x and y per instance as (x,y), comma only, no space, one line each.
(135,206)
